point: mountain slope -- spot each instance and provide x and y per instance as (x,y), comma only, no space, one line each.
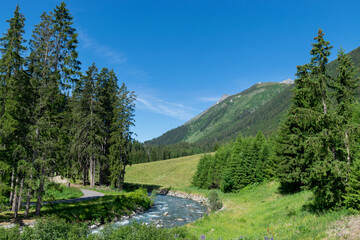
(261,107)
(224,119)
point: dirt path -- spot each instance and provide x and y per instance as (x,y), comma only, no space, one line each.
(347,228)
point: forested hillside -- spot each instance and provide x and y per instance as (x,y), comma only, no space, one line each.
(227,118)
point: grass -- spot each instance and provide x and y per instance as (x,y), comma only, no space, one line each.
(177,172)
(254,213)
(102,209)
(61,192)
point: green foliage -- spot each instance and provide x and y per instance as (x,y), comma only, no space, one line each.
(103,209)
(59,192)
(214,201)
(139,152)
(315,144)
(121,136)
(142,232)
(352,195)
(51,228)
(236,165)
(55,228)
(200,178)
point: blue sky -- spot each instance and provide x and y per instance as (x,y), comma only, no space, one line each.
(181,56)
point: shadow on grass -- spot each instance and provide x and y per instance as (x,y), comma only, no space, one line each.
(289,188)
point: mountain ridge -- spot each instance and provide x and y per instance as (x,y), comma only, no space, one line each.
(218,115)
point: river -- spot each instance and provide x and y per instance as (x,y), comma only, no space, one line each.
(167,211)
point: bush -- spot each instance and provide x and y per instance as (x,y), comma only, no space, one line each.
(47,229)
(54,228)
(138,231)
(214,201)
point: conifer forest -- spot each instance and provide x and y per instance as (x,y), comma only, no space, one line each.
(56,119)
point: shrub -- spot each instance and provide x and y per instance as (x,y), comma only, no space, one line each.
(214,201)
(138,231)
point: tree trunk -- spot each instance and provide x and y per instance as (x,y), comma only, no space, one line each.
(27,205)
(20,194)
(39,196)
(12,185)
(15,196)
(122,177)
(348,154)
(100,173)
(92,172)
(84,175)
(324,106)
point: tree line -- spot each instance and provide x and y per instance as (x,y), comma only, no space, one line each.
(316,147)
(234,166)
(54,119)
(143,152)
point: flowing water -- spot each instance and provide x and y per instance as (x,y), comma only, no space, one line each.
(168,211)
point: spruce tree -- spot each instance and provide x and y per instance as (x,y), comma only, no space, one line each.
(352,195)
(89,125)
(14,112)
(201,176)
(65,40)
(121,135)
(297,146)
(107,90)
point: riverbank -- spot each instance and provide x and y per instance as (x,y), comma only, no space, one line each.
(191,196)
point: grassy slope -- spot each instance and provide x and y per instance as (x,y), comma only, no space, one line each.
(252,213)
(176,172)
(224,117)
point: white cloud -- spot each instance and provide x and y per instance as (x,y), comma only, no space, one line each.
(106,52)
(209,99)
(174,110)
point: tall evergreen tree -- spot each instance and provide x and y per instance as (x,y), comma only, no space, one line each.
(89,129)
(65,40)
(107,90)
(45,105)
(121,135)
(298,139)
(14,111)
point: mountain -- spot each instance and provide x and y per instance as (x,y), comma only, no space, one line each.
(261,107)
(231,115)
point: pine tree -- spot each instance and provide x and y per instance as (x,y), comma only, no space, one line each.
(201,176)
(14,114)
(121,135)
(107,90)
(299,136)
(65,41)
(45,105)
(88,137)
(352,196)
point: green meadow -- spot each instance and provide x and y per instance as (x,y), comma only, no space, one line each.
(255,212)
(175,173)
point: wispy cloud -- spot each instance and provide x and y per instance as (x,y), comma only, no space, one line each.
(208,99)
(170,109)
(107,52)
